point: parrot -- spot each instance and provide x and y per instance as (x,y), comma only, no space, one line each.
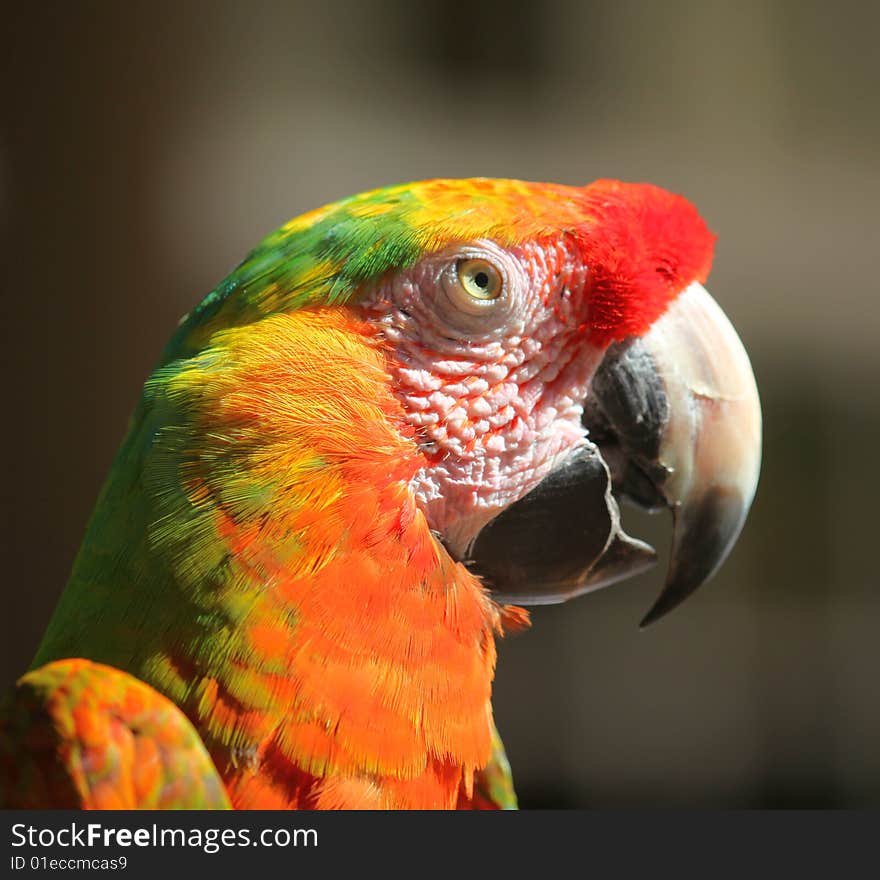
(404,418)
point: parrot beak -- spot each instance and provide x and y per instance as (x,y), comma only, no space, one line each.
(674,421)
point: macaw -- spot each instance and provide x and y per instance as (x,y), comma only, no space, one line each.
(403,417)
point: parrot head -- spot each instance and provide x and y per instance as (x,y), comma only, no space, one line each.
(551,350)
(396,409)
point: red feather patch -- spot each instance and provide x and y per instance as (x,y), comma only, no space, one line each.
(643,245)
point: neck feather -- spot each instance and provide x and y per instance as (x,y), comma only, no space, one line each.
(257,556)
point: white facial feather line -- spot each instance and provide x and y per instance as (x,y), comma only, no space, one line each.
(495,394)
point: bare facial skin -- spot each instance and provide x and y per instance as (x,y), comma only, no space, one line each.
(492,378)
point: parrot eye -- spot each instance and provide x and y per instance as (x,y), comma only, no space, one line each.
(479,279)
(479,287)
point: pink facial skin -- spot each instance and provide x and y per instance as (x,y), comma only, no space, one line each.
(495,389)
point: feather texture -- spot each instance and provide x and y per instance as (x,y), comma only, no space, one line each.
(78,735)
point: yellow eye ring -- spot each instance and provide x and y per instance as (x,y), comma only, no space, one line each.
(479,279)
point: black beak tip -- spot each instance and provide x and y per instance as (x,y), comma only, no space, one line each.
(705,531)
(672,596)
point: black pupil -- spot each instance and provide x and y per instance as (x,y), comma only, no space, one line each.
(481,279)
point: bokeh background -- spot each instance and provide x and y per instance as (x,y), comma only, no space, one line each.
(147,146)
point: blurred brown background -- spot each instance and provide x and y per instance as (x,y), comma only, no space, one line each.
(146,147)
